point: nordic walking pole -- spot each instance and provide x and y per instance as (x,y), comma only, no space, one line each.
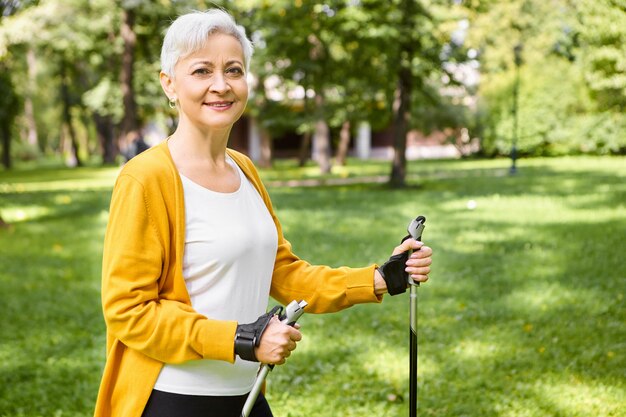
(415,229)
(292,313)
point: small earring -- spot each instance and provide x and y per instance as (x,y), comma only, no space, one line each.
(172,103)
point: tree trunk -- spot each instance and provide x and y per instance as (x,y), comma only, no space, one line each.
(3,224)
(106,138)
(321,138)
(321,146)
(67,115)
(266,148)
(129,127)
(305,144)
(400,129)
(29,112)
(5,133)
(402,105)
(344,144)
(305,149)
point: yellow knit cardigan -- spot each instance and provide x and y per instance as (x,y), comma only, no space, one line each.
(146,306)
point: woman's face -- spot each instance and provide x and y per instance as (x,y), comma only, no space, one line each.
(210,84)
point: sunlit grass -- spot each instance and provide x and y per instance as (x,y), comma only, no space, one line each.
(523,315)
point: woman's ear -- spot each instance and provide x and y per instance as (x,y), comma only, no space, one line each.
(167,83)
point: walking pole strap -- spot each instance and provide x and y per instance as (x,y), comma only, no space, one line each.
(394,274)
(248,336)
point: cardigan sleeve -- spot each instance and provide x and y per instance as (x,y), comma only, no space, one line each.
(135,257)
(325,289)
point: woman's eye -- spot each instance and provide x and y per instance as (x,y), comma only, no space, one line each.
(234,71)
(201,71)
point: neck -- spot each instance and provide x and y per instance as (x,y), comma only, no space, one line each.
(191,143)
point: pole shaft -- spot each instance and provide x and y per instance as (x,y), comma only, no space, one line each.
(413,388)
(247,407)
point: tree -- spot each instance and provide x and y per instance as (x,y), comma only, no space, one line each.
(336,64)
(56,31)
(110,52)
(410,46)
(129,126)
(322,68)
(9,100)
(292,55)
(9,103)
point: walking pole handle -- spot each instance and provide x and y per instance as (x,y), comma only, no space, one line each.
(415,230)
(416,227)
(292,313)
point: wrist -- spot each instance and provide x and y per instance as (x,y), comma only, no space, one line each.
(245,342)
(248,336)
(394,274)
(380,286)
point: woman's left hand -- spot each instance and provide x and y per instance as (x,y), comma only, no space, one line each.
(417,266)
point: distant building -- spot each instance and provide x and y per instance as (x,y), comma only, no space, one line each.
(365,144)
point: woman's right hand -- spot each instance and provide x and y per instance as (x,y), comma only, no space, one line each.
(277,342)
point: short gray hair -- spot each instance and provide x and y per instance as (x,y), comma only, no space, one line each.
(189,32)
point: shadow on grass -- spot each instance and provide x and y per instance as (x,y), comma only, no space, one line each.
(523,315)
(494,343)
(52,335)
(524,312)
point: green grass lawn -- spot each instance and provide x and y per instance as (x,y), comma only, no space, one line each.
(524,314)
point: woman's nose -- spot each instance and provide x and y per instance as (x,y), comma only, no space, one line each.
(220,83)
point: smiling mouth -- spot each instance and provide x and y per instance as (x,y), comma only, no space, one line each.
(220,104)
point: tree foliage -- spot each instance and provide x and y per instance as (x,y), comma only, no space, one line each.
(571,77)
(602,35)
(321,67)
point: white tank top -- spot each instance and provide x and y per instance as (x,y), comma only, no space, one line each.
(230,249)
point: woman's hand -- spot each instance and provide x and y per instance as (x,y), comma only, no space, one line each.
(277,342)
(417,265)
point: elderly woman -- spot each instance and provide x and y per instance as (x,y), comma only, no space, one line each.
(193,250)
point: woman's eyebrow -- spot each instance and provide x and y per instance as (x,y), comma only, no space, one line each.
(234,61)
(211,64)
(207,63)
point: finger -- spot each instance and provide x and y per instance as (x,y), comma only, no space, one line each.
(420,262)
(295,334)
(419,278)
(412,244)
(407,245)
(422,252)
(418,271)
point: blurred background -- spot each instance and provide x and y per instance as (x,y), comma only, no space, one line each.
(390,79)
(362,115)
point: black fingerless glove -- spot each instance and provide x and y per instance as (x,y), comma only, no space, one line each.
(394,274)
(248,336)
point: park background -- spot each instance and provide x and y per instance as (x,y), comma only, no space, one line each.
(501,121)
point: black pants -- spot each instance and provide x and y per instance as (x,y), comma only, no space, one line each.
(165,404)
